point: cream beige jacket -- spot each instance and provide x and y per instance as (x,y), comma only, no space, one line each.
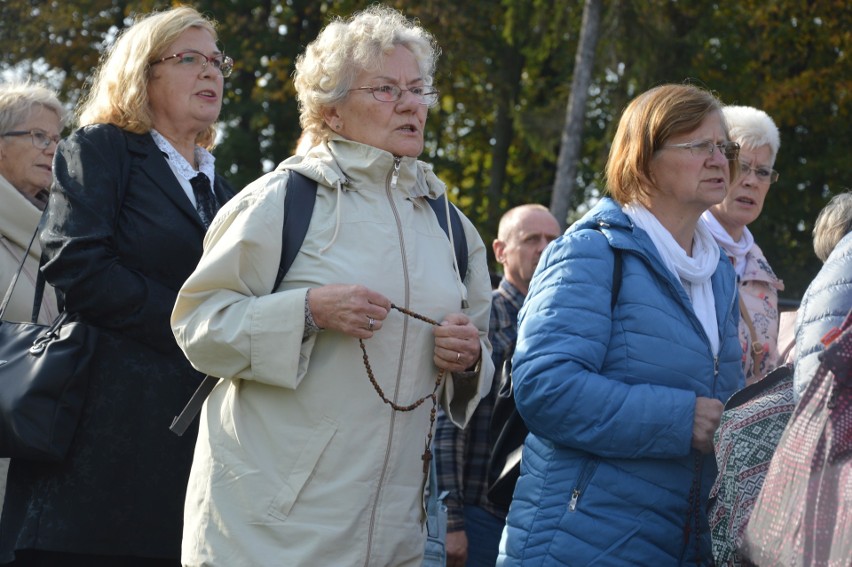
(18,221)
(298,461)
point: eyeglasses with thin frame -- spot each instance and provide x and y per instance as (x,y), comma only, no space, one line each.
(192,58)
(763,174)
(427,96)
(705,149)
(40,138)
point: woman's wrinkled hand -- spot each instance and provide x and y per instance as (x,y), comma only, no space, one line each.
(457,345)
(708,415)
(352,309)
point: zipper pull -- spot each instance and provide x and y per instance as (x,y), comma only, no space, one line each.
(395,175)
(574,497)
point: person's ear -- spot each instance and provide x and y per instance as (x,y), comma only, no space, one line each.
(332,118)
(499,248)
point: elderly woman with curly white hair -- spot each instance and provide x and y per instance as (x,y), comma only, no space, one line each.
(728,221)
(313,449)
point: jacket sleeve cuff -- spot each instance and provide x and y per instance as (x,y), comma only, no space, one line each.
(455,514)
(464,389)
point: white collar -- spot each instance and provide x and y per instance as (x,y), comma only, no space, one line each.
(737,250)
(205,159)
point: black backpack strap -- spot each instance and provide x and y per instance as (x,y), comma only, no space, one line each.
(298,208)
(616,277)
(458,239)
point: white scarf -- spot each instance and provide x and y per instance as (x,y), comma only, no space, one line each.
(736,250)
(693,272)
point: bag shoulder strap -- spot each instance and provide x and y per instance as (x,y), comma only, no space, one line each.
(755,347)
(459,244)
(298,209)
(616,278)
(837,355)
(299,202)
(8,296)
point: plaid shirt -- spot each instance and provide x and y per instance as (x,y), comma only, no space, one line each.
(462,454)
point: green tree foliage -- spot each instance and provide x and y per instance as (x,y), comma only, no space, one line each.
(499,62)
(505,77)
(799,71)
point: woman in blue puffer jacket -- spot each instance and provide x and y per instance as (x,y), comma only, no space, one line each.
(622,391)
(829,295)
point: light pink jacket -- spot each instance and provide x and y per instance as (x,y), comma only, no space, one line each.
(759,289)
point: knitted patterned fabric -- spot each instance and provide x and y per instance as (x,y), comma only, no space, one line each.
(752,423)
(803,515)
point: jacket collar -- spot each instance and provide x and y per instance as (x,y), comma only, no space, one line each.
(153,164)
(360,167)
(758,269)
(18,217)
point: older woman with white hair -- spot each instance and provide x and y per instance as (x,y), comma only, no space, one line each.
(728,221)
(31,119)
(314,447)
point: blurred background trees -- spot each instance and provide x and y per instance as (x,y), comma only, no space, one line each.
(505,77)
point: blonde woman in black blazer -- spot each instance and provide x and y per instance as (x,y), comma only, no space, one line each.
(122,234)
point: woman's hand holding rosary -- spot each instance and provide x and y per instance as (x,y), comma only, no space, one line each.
(347,308)
(351,309)
(359,312)
(457,347)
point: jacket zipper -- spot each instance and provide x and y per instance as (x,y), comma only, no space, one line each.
(722,337)
(390,186)
(589,468)
(394,175)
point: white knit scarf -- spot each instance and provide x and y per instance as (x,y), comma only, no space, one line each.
(693,272)
(736,250)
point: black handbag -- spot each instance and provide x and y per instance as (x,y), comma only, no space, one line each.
(43,380)
(508,432)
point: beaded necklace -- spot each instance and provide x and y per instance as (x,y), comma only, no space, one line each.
(427,453)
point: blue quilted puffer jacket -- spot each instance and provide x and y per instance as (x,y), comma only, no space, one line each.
(824,306)
(608,475)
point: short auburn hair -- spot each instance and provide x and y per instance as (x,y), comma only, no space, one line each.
(648,122)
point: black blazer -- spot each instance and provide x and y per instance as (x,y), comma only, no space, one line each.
(120,238)
(121,235)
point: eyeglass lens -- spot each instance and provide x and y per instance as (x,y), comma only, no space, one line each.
(761,173)
(393,93)
(731,150)
(39,139)
(222,63)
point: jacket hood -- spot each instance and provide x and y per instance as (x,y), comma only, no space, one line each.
(605,213)
(344,165)
(607,217)
(352,165)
